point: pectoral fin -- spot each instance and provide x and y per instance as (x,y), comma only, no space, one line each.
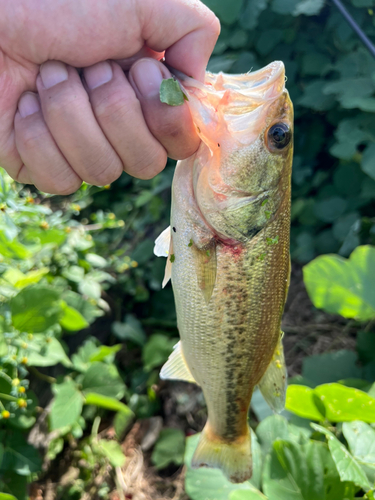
(162,242)
(205,267)
(176,368)
(273,384)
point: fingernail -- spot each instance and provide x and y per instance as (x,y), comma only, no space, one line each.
(97,75)
(28,104)
(52,73)
(147,76)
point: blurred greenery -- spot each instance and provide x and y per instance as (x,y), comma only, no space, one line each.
(85,325)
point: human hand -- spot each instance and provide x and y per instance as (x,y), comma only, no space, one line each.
(93,129)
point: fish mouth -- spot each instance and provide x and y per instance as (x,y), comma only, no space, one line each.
(262,85)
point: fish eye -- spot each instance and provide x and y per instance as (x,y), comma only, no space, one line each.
(279,135)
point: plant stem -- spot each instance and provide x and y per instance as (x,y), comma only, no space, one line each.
(41,376)
(8,397)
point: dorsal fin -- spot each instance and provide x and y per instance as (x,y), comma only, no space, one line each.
(176,368)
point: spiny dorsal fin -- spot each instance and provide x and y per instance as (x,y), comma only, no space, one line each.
(205,267)
(273,384)
(161,248)
(176,368)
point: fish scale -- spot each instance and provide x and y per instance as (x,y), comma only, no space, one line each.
(229,256)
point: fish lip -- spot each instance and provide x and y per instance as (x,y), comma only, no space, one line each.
(264,84)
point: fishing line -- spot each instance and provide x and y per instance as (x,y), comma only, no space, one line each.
(361,35)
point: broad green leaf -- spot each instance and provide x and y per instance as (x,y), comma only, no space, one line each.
(347,466)
(15,485)
(5,496)
(207,483)
(333,366)
(346,403)
(329,209)
(368,161)
(74,273)
(105,351)
(93,398)
(169,448)
(249,17)
(284,6)
(226,11)
(294,472)
(35,309)
(52,236)
(95,260)
(71,319)
(301,400)
(121,423)
(157,350)
(5,383)
(90,288)
(130,330)
(246,495)
(19,456)
(308,7)
(88,310)
(271,429)
(112,451)
(343,286)
(66,406)
(103,379)
(361,440)
(31,277)
(171,93)
(46,351)
(81,359)
(12,249)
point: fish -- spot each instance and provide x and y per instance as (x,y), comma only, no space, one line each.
(227,251)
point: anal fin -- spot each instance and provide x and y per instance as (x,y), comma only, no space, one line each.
(176,368)
(273,384)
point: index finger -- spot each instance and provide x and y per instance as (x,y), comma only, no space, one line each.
(188,44)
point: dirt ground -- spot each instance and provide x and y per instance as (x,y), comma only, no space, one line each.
(307,332)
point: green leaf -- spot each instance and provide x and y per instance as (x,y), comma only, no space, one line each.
(333,366)
(343,286)
(121,423)
(74,273)
(246,495)
(12,249)
(5,496)
(207,484)
(46,352)
(103,379)
(368,161)
(347,466)
(313,96)
(330,209)
(361,440)
(308,7)
(284,6)
(104,352)
(15,484)
(71,319)
(90,288)
(21,280)
(270,429)
(294,472)
(67,405)
(96,260)
(53,236)
(35,309)
(346,403)
(171,93)
(301,400)
(19,456)
(130,330)
(169,448)
(226,11)
(109,403)
(157,350)
(112,451)
(249,17)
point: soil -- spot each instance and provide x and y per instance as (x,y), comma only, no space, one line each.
(307,331)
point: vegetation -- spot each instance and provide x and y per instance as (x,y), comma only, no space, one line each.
(85,326)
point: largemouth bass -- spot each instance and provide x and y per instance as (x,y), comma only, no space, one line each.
(228,255)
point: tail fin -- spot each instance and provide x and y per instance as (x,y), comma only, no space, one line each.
(234,458)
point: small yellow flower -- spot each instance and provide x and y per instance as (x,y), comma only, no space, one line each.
(44,225)
(24,360)
(15,382)
(5,414)
(21,389)
(22,403)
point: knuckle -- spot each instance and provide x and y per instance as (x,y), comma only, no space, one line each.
(64,184)
(149,165)
(116,106)
(62,103)
(104,171)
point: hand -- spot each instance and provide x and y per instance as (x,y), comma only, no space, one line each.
(57,129)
